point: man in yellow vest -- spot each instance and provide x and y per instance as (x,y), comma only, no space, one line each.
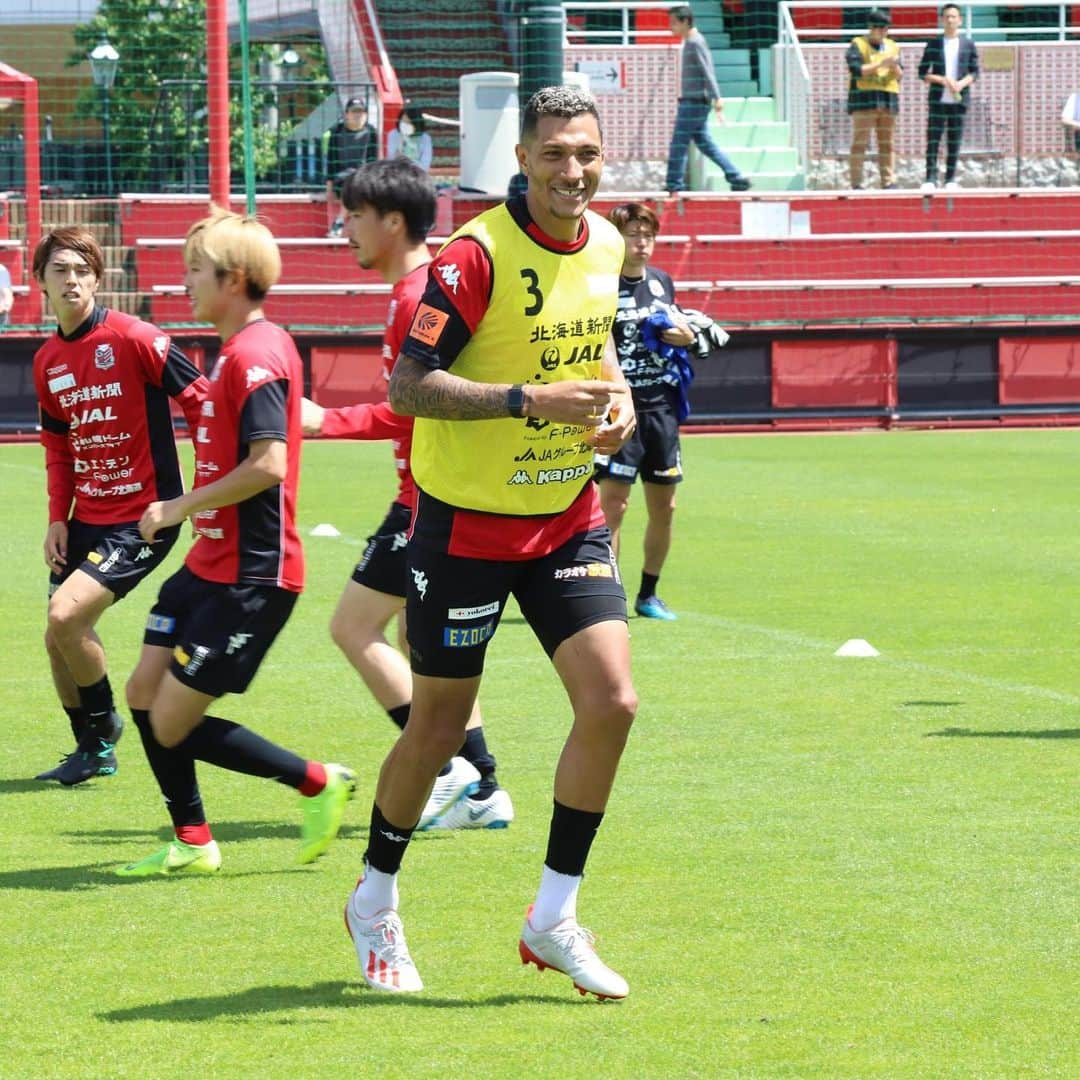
(510,370)
(874,73)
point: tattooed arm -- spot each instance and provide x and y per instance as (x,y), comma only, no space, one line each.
(417,390)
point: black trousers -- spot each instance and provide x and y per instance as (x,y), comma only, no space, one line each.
(947,120)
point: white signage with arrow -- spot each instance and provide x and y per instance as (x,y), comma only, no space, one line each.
(605,76)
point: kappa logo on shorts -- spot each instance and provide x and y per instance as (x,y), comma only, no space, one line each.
(401,540)
(421,582)
(143,553)
(428,324)
(237,642)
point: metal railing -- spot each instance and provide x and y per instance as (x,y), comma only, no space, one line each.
(623,31)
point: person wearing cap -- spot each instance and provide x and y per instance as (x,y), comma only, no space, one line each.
(874,73)
(353,143)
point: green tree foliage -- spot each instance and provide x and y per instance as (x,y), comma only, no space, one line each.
(158,104)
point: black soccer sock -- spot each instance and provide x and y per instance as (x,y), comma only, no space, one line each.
(386,843)
(238,749)
(400,715)
(648,585)
(174,771)
(475,751)
(570,838)
(97,704)
(78,723)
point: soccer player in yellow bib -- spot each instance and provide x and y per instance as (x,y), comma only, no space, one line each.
(512,376)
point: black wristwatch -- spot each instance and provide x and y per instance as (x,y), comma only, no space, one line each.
(515,401)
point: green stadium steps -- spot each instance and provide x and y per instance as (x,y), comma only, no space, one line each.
(738,88)
(758,144)
(748,110)
(766,133)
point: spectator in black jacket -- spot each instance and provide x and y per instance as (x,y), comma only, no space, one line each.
(949,66)
(353,143)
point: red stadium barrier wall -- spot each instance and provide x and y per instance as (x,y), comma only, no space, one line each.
(347,375)
(1034,371)
(833,374)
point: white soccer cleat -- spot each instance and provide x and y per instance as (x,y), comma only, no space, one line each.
(494,812)
(568,947)
(952,185)
(461,780)
(380,946)
(928,186)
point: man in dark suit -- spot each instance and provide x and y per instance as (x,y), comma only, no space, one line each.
(949,66)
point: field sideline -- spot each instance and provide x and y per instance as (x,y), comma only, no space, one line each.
(811,866)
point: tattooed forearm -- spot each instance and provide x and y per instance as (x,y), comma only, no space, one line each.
(418,391)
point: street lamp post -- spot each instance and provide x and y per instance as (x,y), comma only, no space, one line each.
(104,60)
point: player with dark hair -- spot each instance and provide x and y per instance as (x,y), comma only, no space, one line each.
(391,209)
(653,449)
(509,370)
(216,617)
(103,384)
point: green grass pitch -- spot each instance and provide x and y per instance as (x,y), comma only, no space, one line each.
(811,866)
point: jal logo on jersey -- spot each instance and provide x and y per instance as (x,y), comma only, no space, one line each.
(91,416)
(104,358)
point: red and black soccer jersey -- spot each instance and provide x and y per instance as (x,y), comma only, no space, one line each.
(255,390)
(106,427)
(380,421)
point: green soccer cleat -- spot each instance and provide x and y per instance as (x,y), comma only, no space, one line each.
(323,812)
(176,857)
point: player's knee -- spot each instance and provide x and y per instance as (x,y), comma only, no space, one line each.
(168,735)
(436,739)
(614,507)
(612,714)
(139,689)
(349,633)
(65,622)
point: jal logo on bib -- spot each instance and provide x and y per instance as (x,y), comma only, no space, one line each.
(103,357)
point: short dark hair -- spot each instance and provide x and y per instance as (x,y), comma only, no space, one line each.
(624,215)
(877,17)
(945,7)
(394,184)
(69,238)
(564,101)
(683,13)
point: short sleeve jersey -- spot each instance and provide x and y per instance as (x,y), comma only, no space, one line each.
(104,402)
(647,373)
(255,390)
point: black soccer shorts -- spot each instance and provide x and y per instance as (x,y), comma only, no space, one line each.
(115,556)
(453,604)
(219,633)
(382,567)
